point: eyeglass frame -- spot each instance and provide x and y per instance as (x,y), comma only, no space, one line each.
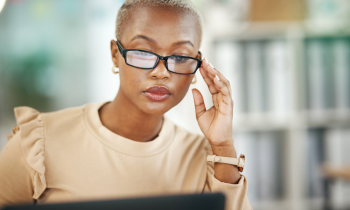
(124,51)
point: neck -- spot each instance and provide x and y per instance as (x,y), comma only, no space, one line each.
(124,118)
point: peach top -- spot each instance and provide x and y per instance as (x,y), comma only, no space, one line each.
(68,155)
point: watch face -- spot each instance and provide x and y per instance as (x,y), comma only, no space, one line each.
(243,157)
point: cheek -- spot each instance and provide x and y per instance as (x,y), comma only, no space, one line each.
(129,80)
(182,83)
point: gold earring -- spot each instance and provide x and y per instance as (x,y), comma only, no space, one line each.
(194,80)
(113,69)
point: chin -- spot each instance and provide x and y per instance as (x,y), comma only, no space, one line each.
(156,108)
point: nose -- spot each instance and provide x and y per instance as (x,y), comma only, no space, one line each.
(160,71)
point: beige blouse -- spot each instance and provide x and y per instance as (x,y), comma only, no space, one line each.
(68,155)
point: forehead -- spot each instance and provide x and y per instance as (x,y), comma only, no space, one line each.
(166,25)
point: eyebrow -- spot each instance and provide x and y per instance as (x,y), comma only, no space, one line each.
(184,42)
(153,41)
(143,37)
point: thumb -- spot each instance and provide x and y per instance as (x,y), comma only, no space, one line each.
(198,102)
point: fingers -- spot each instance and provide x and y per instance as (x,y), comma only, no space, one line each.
(215,101)
(218,86)
(208,72)
(198,102)
(222,87)
(209,81)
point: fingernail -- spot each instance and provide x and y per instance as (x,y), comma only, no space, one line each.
(205,62)
(217,77)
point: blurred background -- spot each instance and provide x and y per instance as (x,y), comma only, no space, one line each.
(288,63)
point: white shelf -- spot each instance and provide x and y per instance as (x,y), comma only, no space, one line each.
(246,31)
(310,118)
(260,122)
(268,205)
(251,31)
(283,204)
(327,118)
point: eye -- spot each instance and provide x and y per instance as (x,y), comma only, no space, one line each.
(140,53)
(179,59)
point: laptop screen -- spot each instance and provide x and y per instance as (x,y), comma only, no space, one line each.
(214,201)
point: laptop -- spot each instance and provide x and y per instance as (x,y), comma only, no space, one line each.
(215,201)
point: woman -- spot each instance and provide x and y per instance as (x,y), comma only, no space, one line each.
(127,147)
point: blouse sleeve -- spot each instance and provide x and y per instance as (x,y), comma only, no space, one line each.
(22,169)
(236,194)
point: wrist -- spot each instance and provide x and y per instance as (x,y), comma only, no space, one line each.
(220,143)
(225,151)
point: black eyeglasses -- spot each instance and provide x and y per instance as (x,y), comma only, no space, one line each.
(147,60)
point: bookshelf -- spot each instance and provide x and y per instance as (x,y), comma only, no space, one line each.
(300,114)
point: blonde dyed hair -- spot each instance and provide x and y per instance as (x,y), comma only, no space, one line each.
(183,5)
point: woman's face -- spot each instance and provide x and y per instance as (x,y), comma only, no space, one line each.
(164,31)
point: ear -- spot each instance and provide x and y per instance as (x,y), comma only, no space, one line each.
(115,53)
(199,56)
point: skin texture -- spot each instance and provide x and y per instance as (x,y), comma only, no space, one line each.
(168,31)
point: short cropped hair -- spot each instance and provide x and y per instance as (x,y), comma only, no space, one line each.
(184,5)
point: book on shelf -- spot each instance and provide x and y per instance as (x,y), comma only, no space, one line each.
(258,73)
(315,69)
(246,143)
(263,168)
(256,77)
(337,144)
(327,15)
(328,74)
(314,149)
(341,66)
(270,146)
(229,63)
(278,78)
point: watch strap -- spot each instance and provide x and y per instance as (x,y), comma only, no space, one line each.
(239,162)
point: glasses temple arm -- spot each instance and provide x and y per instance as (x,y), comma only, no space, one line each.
(121,49)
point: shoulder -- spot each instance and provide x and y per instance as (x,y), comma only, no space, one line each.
(56,127)
(30,119)
(65,114)
(25,114)
(32,131)
(65,117)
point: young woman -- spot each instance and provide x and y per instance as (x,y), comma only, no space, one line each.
(126,147)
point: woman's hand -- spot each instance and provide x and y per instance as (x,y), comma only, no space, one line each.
(216,122)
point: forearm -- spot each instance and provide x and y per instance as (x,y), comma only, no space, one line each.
(225,172)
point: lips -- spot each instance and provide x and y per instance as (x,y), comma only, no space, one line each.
(157,93)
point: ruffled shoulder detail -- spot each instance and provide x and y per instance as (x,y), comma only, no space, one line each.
(32,129)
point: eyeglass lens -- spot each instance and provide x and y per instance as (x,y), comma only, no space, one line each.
(141,59)
(147,60)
